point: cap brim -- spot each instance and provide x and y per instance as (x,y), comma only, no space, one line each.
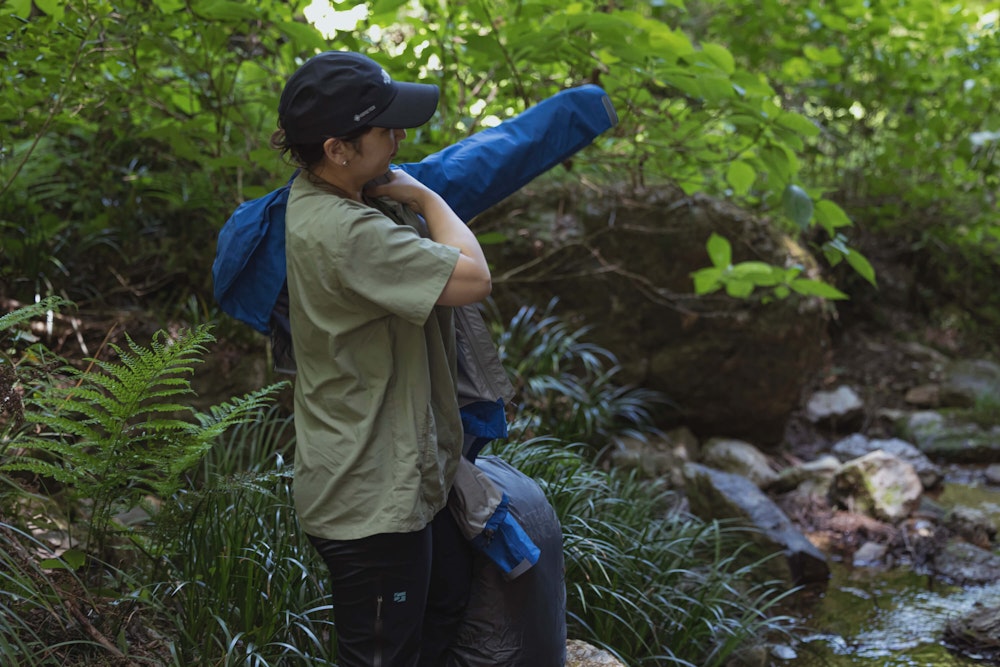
(413,106)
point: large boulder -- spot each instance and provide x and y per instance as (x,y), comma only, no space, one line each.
(714,494)
(623,262)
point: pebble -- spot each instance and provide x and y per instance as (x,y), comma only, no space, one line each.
(993,474)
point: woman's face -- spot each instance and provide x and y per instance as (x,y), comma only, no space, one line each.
(376,151)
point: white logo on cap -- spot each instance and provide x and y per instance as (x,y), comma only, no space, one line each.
(359,116)
(386,78)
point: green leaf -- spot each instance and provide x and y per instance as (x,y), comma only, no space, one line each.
(20,8)
(797,69)
(385,6)
(43,308)
(818,288)
(830,216)
(663,40)
(54,8)
(760,273)
(721,56)
(828,56)
(739,289)
(835,22)
(714,88)
(790,138)
(492,238)
(833,255)
(754,85)
(780,164)
(798,205)
(861,264)
(707,280)
(72,559)
(304,36)
(719,251)
(740,176)
(224,10)
(798,123)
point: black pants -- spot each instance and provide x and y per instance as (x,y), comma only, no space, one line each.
(398,597)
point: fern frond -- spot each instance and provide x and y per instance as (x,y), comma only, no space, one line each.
(165,357)
(132,387)
(158,428)
(257,482)
(239,410)
(39,467)
(83,404)
(79,428)
(31,311)
(70,453)
(149,411)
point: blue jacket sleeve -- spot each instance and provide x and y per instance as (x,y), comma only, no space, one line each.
(483,169)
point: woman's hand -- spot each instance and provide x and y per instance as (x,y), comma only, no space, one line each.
(405,189)
(470,281)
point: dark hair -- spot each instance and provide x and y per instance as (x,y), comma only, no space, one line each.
(305,156)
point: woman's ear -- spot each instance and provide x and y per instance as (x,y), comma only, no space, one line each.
(335,150)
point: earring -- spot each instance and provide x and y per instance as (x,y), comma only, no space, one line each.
(345,163)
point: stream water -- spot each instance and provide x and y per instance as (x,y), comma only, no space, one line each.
(871,617)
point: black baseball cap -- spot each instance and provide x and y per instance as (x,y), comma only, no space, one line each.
(336,92)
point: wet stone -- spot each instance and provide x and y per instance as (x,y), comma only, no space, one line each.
(949,439)
(741,458)
(972,525)
(963,563)
(924,396)
(582,654)
(969,380)
(840,409)
(870,554)
(878,484)
(993,474)
(714,494)
(976,634)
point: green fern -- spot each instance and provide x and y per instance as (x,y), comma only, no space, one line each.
(17,346)
(31,311)
(119,432)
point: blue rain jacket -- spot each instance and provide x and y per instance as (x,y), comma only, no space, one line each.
(472,175)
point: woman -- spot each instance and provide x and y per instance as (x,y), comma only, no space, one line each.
(371,273)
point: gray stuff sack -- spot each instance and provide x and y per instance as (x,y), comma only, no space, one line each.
(519,622)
